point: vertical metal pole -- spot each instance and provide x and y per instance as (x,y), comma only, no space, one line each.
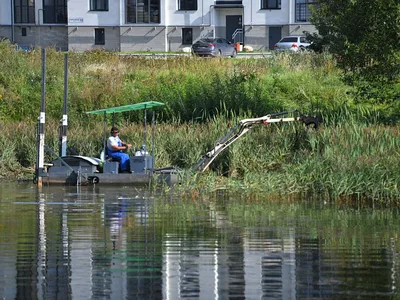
(243,31)
(145,125)
(105,135)
(153,131)
(42,120)
(12,21)
(145,138)
(63,135)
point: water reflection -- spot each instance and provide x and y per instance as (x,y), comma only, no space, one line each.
(91,243)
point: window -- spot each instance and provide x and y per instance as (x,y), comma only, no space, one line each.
(24,11)
(23,31)
(187,4)
(55,11)
(270,4)
(98,5)
(142,11)
(289,40)
(303,11)
(99,36)
(187,36)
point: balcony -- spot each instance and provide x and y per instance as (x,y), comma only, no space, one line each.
(228,3)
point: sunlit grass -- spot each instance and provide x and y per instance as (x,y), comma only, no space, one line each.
(350,156)
(347,159)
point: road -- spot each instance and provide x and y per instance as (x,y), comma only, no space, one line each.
(169,55)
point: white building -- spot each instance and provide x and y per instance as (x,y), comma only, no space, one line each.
(150,25)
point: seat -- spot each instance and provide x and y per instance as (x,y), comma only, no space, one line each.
(109,163)
(104,157)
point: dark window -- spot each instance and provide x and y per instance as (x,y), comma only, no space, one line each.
(270,4)
(23,31)
(143,11)
(99,5)
(187,36)
(55,11)
(303,11)
(99,36)
(187,4)
(289,40)
(24,11)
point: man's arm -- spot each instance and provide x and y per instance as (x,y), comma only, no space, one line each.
(114,145)
(125,146)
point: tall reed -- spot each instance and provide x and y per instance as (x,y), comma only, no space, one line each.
(348,159)
(192,89)
(351,155)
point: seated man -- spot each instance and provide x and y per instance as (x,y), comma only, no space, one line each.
(115,147)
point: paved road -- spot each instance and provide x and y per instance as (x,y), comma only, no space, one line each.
(167,55)
(254,55)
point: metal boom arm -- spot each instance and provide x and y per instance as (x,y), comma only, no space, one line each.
(241,128)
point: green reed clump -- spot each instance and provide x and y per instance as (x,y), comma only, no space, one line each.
(347,159)
(350,159)
(8,159)
(351,155)
(192,88)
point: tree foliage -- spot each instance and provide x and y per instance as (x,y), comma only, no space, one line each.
(365,37)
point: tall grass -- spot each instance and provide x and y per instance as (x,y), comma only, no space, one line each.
(192,89)
(350,156)
(347,160)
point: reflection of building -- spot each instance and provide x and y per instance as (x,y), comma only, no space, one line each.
(84,250)
(150,25)
(240,268)
(135,263)
(8,273)
(41,266)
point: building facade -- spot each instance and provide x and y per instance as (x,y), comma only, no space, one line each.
(150,25)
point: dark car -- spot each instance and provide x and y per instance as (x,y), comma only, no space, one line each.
(214,47)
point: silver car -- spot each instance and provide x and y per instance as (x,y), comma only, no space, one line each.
(292,43)
(214,47)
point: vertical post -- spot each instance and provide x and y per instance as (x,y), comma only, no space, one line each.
(42,120)
(145,126)
(105,135)
(63,131)
(145,138)
(153,132)
(12,21)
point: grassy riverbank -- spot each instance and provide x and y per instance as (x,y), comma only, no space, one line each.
(191,88)
(345,159)
(352,155)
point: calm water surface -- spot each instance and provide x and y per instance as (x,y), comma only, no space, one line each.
(120,243)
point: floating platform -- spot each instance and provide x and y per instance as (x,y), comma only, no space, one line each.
(84,170)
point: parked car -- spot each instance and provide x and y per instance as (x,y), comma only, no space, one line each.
(214,47)
(292,43)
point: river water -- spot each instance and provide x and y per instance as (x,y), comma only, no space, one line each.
(120,243)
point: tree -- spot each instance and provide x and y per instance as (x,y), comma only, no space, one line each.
(365,37)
